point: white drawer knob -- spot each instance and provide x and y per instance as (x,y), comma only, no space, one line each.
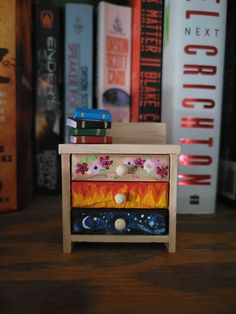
(120,224)
(120,198)
(121,170)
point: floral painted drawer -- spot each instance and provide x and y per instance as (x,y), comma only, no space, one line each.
(120,167)
(119,194)
(115,221)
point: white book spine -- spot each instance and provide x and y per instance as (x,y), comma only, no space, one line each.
(78,58)
(193,62)
(114,60)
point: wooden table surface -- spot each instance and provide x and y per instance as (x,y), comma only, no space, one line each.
(36,277)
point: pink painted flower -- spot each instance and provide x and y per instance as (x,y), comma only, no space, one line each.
(162,170)
(138,163)
(82,167)
(105,162)
(95,167)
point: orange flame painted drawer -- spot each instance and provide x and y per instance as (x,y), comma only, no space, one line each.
(120,194)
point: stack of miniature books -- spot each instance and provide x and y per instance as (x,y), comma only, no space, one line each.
(89,126)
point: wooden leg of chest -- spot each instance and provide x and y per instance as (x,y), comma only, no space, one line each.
(171,245)
(66,206)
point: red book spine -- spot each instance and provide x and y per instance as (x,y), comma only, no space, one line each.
(91,139)
(147,44)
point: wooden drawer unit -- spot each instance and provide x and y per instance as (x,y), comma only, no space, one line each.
(121,192)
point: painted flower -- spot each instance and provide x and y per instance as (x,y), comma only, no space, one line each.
(162,170)
(138,163)
(148,166)
(105,162)
(128,162)
(82,167)
(95,167)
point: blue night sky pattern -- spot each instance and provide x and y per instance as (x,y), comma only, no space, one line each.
(146,222)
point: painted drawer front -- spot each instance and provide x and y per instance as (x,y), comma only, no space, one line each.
(120,194)
(113,221)
(139,168)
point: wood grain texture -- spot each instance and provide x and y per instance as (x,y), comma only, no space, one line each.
(36,277)
(118,149)
(66,201)
(136,133)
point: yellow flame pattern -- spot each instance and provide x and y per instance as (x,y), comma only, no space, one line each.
(138,194)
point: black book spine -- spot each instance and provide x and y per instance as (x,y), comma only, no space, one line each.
(85,124)
(48,126)
(151,46)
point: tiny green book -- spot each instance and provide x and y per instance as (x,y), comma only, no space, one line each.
(85,132)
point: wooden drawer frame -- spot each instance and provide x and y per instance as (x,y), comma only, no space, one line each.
(130,146)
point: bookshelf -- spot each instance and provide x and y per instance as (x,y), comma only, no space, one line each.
(62,2)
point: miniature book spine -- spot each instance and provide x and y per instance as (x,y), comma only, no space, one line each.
(83,124)
(92,114)
(95,132)
(90,139)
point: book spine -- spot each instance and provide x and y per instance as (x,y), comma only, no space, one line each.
(147,45)
(114,60)
(24,108)
(84,124)
(227,163)
(192,91)
(91,139)
(78,58)
(8,151)
(87,116)
(48,130)
(95,132)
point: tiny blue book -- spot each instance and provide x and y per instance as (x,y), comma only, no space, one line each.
(92,114)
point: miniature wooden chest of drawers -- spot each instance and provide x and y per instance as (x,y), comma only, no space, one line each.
(120,192)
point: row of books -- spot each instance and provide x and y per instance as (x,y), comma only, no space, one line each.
(190,86)
(108,44)
(181,85)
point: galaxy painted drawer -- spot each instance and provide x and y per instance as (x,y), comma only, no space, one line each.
(137,194)
(113,221)
(120,167)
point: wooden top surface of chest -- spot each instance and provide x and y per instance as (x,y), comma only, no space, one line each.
(128,138)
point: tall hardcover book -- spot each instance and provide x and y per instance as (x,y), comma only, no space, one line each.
(114,60)
(227,166)
(48,102)
(78,58)
(193,62)
(15,105)
(146,74)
